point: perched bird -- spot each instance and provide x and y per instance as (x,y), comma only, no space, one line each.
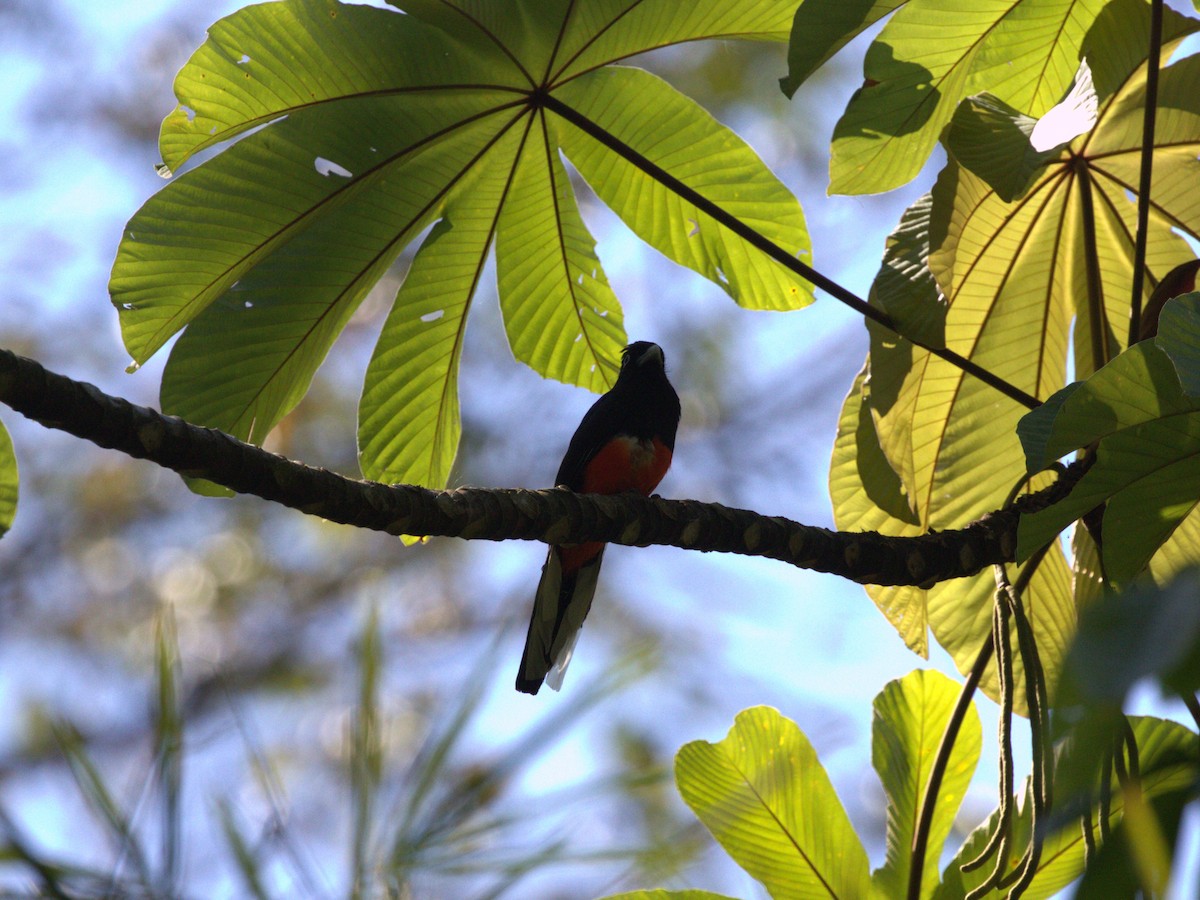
(624,443)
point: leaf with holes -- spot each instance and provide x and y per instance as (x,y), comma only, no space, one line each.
(362,129)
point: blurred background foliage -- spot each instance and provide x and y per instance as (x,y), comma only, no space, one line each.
(338,710)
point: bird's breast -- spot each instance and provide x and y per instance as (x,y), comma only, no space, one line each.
(627,463)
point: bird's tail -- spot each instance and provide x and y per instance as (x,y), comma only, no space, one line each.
(561,604)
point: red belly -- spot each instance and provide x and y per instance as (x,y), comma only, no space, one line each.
(627,464)
(623,464)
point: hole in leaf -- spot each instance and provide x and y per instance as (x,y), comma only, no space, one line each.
(328,167)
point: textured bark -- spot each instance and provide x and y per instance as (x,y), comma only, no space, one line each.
(553,516)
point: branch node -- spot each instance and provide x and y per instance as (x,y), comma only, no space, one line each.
(151,436)
(752,537)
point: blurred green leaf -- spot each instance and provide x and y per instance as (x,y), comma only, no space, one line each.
(1146,631)
(9,481)
(1167,754)
(910,717)
(372,126)
(99,798)
(366,753)
(168,742)
(767,800)
(1179,325)
(248,865)
(1137,857)
(667,895)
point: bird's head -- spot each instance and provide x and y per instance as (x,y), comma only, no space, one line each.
(642,356)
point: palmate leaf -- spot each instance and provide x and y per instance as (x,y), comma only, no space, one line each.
(874,462)
(767,800)
(1009,281)
(1147,436)
(362,128)
(932,54)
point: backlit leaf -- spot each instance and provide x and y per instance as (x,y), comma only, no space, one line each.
(910,716)
(362,128)
(767,800)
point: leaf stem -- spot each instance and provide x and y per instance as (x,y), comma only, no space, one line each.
(769,247)
(1144,179)
(929,800)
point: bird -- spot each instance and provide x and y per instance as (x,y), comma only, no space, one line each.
(624,443)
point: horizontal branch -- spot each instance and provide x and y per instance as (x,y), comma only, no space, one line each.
(552,516)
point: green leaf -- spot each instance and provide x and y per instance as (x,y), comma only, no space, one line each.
(8,481)
(408,420)
(1137,387)
(361,129)
(868,495)
(1086,572)
(908,395)
(768,802)
(821,28)
(991,139)
(544,251)
(1181,550)
(676,134)
(1148,434)
(960,615)
(1136,860)
(659,23)
(904,287)
(910,717)
(1002,278)
(1162,749)
(249,357)
(295,58)
(931,55)
(1147,631)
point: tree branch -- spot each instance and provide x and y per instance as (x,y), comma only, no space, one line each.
(494,514)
